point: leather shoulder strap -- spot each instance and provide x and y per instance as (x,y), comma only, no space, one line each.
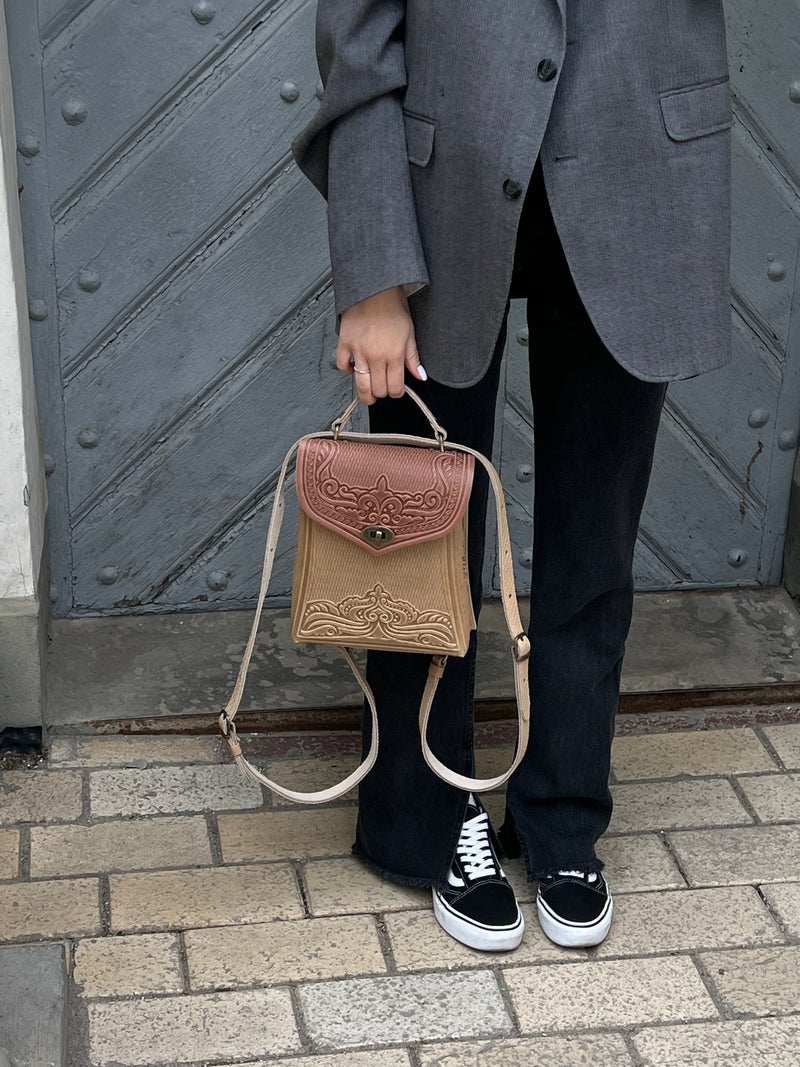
(228,714)
(520,647)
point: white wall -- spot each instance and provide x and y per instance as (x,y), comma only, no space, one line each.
(23,498)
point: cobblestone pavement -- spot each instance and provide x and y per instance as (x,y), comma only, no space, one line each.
(207,923)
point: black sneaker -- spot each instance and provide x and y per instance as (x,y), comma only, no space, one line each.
(478,907)
(574,908)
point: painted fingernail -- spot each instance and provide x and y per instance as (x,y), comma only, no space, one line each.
(422,373)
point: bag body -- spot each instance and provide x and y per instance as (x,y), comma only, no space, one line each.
(381,562)
(381,558)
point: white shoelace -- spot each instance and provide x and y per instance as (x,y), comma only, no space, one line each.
(474,848)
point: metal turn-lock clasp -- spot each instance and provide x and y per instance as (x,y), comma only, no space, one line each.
(378,535)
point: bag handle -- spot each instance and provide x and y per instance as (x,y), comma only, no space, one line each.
(520,642)
(439,431)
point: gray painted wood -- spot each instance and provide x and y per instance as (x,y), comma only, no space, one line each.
(37,227)
(179,189)
(764,56)
(125,64)
(233,295)
(193,332)
(185,496)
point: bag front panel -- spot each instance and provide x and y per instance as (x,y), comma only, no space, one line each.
(413,600)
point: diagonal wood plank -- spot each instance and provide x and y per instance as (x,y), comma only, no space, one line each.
(171,191)
(192,336)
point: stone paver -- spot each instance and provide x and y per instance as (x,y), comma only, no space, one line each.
(66,908)
(195,962)
(489,762)
(608,993)
(785,903)
(210,896)
(785,739)
(121,845)
(201,1027)
(39,796)
(347,887)
(126,966)
(638,863)
(495,804)
(669,805)
(386,1057)
(419,943)
(33,1005)
(645,923)
(739,1043)
(690,752)
(775,797)
(231,956)
(163,790)
(634,864)
(747,854)
(524,890)
(309,775)
(287,834)
(386,1011)
(589,1050)
(757,981)
(128,750)
(9,853)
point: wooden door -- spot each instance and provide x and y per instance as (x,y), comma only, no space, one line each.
(182,316)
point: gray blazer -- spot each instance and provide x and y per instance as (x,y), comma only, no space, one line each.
(432,117)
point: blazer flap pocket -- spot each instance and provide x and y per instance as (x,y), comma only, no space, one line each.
(697,110)
(419,137)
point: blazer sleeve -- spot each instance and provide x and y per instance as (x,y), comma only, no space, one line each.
(354,150)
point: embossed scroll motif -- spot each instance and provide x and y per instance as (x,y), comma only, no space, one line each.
(417,493)
(376,614)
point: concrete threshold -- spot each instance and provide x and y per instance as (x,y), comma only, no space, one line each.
(697,647)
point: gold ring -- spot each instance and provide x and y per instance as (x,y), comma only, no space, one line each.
(358,370)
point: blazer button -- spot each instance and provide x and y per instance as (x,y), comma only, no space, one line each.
(511,189)
(547,70)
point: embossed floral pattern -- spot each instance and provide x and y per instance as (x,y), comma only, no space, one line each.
(376,614)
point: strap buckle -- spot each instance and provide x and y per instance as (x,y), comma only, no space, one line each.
(522,647)
(228,728)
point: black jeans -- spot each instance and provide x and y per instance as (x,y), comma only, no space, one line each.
(595,427)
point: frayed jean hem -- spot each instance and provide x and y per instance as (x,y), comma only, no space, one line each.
(593,864)
(390,876)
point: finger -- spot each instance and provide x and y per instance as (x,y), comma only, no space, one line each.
(395,378)
(413,363)
(378,379)
(364,386)
(344,358)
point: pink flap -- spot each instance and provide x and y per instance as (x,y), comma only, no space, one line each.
(418,493)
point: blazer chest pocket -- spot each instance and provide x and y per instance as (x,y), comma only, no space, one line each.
(697,110)
(419,137)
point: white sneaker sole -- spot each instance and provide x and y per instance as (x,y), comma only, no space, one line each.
(478,935)
(573,934)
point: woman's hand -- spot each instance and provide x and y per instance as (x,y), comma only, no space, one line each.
(376,343)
